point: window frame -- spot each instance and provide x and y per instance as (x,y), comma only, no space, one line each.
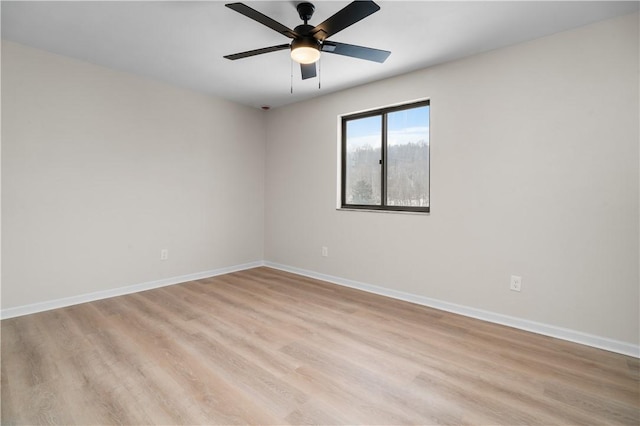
(383,113)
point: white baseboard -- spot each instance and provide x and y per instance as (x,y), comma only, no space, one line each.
(519,323)
(105,294)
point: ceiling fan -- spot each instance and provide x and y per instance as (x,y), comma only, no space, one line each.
(308,41)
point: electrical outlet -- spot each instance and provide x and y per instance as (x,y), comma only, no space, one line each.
(516,283)
(164,254)
(325,251)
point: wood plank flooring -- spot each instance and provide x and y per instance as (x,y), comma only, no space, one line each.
(266,347)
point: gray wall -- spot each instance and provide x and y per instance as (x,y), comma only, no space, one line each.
(101,170)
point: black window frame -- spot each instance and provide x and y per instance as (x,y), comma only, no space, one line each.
(383,112)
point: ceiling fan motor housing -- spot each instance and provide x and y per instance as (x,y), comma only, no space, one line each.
(305,42)
(304,30)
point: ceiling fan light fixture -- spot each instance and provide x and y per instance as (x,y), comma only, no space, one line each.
(305,50)
(305,55)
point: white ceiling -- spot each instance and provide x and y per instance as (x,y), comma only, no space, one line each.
(183,42)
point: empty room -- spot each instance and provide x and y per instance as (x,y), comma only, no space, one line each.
(283,212)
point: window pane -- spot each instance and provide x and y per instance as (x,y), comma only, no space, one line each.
(408,157)
(363,170)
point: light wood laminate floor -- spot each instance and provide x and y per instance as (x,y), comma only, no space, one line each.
(267,347)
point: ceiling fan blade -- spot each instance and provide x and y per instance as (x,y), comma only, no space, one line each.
(308,70)
(354,51)
(257,52)
(263,19)
(345,17)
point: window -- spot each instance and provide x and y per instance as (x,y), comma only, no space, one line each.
(385,159)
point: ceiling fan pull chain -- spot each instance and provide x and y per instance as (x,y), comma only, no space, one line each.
(292,76)
(319,72)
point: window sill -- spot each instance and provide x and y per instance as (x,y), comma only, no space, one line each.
(346,209)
